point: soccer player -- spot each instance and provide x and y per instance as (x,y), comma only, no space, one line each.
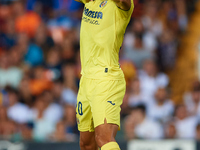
(102,85)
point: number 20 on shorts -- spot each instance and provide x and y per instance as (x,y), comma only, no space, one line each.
(80,110)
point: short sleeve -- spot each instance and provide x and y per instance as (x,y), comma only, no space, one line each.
(126,13)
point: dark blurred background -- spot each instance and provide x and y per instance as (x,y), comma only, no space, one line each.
(40,70)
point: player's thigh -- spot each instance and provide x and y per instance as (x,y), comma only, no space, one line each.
(83,109)
(108,97)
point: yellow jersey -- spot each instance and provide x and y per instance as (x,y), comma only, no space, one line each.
(102,32)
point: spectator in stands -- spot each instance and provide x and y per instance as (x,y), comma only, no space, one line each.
(148,39)
(8,130)
(32,54)
(42,126)
(53,63)
(17,111)
(68,7)
(26,132)
(3,114)
(68,49)
(151,79)
(65,128)
(57,90)
(135,96)
(52,112)
(40,81)
(27,22)
(173,15)
(70,118)
(182,16)
(185,124)
(60,135)
(138,125)
(16,57)
(192,99)
(62,94)
(170,131)
(25,91)
(167,49)
(43,39)
(8,36)
(150,18)
(7,127)
(9,75)
(69,94)
(138,54)
(161,109)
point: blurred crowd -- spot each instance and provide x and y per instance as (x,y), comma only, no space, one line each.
(40,71)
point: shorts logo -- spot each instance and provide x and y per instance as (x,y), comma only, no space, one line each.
(111,102)
(78,122)
(103,4)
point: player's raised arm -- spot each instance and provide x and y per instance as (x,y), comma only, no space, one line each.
(123,4)
(83,1)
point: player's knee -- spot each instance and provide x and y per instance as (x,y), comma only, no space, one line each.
(81,143)
(86,145)
(102,139)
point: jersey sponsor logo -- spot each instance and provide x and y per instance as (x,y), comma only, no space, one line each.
(93,14)
(111,102)
(91,21)
(103,4)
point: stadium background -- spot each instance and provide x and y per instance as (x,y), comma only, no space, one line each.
(40,72)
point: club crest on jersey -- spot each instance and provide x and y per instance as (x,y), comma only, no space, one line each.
(103,4)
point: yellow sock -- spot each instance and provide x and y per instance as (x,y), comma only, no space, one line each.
(110,146)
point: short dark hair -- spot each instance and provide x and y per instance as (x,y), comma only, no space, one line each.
(141,107)
(11,90)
